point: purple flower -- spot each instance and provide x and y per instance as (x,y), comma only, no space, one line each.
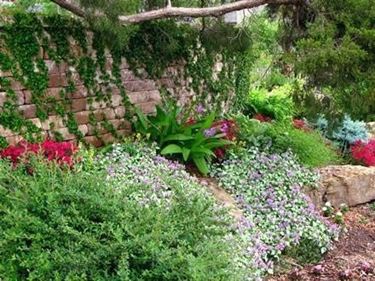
(200,109)
(210,132)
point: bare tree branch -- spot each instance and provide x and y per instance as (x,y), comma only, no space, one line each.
(173,12)
(67,5)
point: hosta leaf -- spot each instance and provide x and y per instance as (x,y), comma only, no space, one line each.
(185,153)
(201,164)
(178,137)
(171,149)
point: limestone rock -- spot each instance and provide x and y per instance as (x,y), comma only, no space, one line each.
(352,185)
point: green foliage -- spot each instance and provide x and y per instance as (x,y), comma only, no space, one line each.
(310,147)
(277,104)
(337,52)
(152,46)
(279,216)
(349,132)
(76,225)
(176,136)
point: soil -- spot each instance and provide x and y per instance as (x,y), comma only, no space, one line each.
(353,255)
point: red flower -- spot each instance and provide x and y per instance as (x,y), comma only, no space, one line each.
(364,152)
(262,118)
(61,152)
(190,121)
(227,127)
(219,153)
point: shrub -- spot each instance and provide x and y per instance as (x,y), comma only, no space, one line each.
(309,147)
(321,125)
(61,152)
(276,104)
(90,225)
(186,138)
(268,187)
(350,132)
(364,152)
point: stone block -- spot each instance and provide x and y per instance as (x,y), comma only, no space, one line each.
(12,140)
(3,98)
(155,96)
(6,132)
(139,97)
(54,93)
(116,100)
(28,111)
(127,75)
(57,80)
(79,105)
(148,107)
(82,117)
(27,96)
(96,142)
(120,111)
(53,122)
(140,85)
(80,92)
(16,85)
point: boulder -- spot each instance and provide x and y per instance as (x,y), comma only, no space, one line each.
(351,185)
(371,128)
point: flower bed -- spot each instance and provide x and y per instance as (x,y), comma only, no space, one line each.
(279,217)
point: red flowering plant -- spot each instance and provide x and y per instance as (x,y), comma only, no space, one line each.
(301,124)
(262,118)
(229,129)
(61,152)
(364,152)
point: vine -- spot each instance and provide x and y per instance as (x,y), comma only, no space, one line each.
(28,39)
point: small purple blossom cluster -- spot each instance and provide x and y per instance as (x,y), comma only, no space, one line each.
(139,165)
(156,180)
(268,188)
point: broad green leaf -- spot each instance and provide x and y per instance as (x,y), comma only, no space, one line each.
(171,149)
(178,137)
(203,150)
(209,120)
(201,164)
(185,153)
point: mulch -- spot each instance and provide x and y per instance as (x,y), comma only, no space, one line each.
(352,257)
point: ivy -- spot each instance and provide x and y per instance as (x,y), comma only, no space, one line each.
(152,46)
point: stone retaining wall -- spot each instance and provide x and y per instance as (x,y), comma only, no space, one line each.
(140,89)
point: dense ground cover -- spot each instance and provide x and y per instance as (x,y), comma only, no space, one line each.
(131,215)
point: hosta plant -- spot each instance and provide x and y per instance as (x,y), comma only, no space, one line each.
(186,138)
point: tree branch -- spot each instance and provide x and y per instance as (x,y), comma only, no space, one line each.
(173,12)
(67,5)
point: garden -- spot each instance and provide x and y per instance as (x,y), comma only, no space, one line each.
(265,171)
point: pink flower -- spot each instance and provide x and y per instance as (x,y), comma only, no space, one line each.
(364,152)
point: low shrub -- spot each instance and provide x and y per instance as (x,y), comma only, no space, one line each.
(350,132)
(276,104)
(61,152)
(268,187)
(364,152)
(309,146)
(142,218)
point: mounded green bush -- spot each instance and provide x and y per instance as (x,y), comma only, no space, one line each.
(310,147)
(76,225)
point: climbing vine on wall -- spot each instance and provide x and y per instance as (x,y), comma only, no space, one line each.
(27,39)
